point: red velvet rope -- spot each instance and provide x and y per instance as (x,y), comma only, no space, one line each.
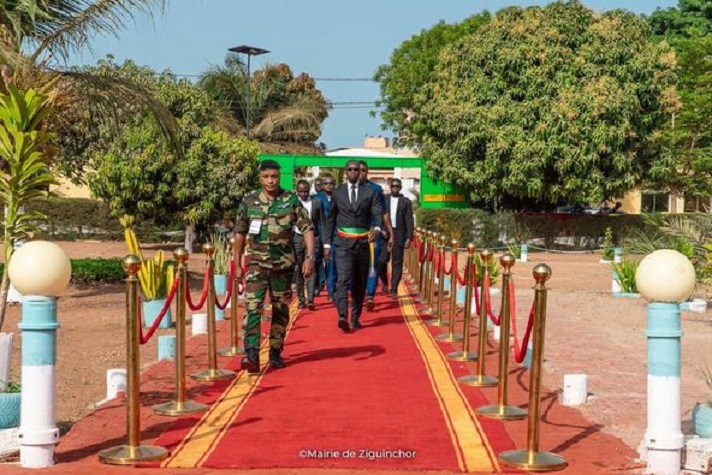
(520,352)
(460,280)
(203,297)
(228,295)
(476,290)
(143,338)
(436,264)
(452,263)
(431,248)
(488,302)
(421,253)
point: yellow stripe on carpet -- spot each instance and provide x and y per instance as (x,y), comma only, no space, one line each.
(474,453)
(200,442)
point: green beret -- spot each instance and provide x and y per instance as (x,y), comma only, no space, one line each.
(267,164)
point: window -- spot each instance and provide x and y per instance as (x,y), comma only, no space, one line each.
(697,204)
(652,202)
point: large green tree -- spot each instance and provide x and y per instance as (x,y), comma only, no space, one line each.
(283,108)
(141,175)
(687,169)
(411,66)
(548,104)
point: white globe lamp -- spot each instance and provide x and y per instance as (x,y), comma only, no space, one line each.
(40,268)
(665,276)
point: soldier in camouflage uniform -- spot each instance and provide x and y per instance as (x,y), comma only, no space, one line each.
(268,216)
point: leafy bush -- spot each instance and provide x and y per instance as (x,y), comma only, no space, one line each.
(9,387)
(93,271)
(493,268)
(548,230)
(608,252)
(223,254)
(624,273)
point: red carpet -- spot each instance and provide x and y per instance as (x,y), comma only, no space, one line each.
(380,397)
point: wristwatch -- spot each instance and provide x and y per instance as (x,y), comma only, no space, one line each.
(309,258)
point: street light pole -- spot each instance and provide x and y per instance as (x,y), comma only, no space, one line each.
(249,51)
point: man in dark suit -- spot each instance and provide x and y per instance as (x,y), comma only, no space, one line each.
(400,210)
(327,273)
(356,216)
(315,209)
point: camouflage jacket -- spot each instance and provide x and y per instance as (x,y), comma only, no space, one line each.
(271,247)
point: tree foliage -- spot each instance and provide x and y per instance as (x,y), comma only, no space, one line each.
(689,18)
(548,104)
(283,108)
(412,65)
(140,175)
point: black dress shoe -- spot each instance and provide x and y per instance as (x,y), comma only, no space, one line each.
(393,295)
(311,306)
(275,359)
(384,289)
(251,361)
(356,324)
(344,325)
(329,298)
(301,305)
(370,304)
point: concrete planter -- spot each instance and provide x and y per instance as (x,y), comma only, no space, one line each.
(10,410)
(702,419)
(633,295)
(151,310)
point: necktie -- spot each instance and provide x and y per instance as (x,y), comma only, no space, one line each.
(353,195)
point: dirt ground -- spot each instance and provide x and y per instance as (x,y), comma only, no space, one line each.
(588,331)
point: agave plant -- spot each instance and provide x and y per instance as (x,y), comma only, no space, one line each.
(26,176)
(155,275)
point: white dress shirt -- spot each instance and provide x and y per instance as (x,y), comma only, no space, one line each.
(394,210)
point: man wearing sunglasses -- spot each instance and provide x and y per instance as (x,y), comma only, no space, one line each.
(400,210)
(327,272)
(354,221)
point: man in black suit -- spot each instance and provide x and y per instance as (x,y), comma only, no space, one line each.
(356,216)
(400,209)
(315,209)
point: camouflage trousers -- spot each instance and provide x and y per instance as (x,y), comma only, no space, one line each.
(278,283)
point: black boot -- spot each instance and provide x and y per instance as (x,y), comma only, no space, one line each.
(251,360)
(275,358)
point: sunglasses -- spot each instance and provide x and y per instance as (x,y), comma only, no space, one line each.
(353,169)
(328,183)
(395,186)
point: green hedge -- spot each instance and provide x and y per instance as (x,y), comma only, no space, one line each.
(548,230)
(81,218)
(94,271)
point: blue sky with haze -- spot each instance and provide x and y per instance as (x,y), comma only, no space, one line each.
(328,39)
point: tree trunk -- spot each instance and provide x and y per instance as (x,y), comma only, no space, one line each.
(4,286)
(189,237)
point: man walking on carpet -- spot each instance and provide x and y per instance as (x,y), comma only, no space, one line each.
(400,209)
(355,215)
(327,272)
(269,216)
(315,211)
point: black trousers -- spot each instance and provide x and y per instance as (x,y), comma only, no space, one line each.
(301,251)
(396,266)
(352,264)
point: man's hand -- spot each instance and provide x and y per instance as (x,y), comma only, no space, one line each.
(391,243)
(327,253)
(373,234)
(407,244)
(308,267)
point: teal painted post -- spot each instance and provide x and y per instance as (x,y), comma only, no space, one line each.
(663,435)
(38,429)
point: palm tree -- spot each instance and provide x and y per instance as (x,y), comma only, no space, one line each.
(36,38)
(283,109)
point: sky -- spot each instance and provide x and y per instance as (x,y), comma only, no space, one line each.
(334,41)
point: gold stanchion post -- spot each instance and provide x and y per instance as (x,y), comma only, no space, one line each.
(532,459)
(424,285)
(481,379)
(430,278)
(466,354)
(212,373)
(234,349)
(438,321)
(501,410)
(180,405)
(451,336)
(133,452)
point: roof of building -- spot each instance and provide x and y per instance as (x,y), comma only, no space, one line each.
(362,152)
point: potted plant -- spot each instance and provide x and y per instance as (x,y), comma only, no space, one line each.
(222,259)
(624,273)
(10,397)
(155,276)
(702,412)
(494,271)
(608,253)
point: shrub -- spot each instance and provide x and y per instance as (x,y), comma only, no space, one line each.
(608,252)
(92,271)
(624,274)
